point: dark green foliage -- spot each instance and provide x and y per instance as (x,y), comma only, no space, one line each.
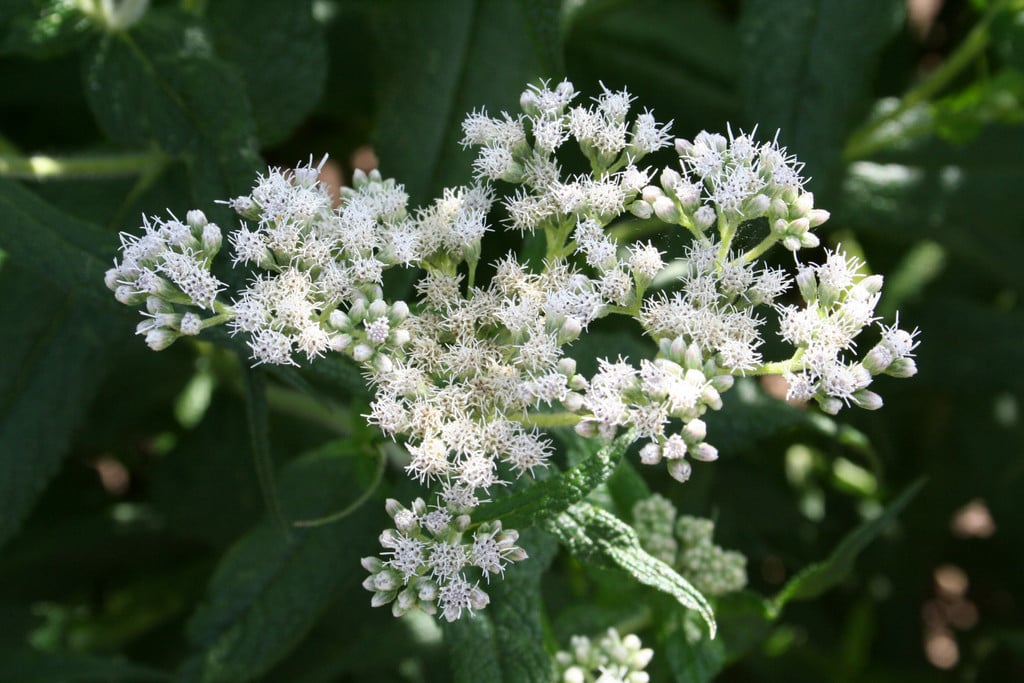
(148,501)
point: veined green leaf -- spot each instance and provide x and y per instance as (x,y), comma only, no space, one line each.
(281,53)
(56,343)
(269,590)
(597,536)
(551,496)
(505,642)
(817,578)
(811,87)
(161,83)
(439,61)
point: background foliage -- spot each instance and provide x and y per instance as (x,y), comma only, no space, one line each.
(136,543)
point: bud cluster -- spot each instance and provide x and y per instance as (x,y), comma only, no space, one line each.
(610,659)
(685,544)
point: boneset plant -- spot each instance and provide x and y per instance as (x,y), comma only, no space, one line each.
(469,374)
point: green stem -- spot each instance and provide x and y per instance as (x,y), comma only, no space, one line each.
(96,167)
(861,143)
(755,251)
(780,367)
(547,420)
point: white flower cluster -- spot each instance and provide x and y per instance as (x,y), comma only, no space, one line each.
(428,553)
(611,659)
(167,268)
(464,373)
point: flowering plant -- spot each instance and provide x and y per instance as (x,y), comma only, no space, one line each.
(466,373)
(522,383)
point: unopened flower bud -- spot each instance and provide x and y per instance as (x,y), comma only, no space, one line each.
(362,352)
(778,209)
(695,431)
(830,405)
(683,147)
(640,209)
(650,454)
(212,239)
(756,206)
(680,470)
(665,208)
(704,218)
(704,452)
(651,194)
(339,321)
(573,402)
(803,204)
(160,338)
(809,240)
(816,217)
(807,283)
(868,400)
(722,383)
(670,179)
(902,368)
(377,309)
(341,342)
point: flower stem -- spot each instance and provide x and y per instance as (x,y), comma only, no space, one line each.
(42,167)
(862,143)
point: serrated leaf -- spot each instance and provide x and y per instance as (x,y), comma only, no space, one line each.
(69,254)
(817,578)
(505,642)
(281,54)
(548,497)
(439,61)
(56,346)
(597,536)
(812,87)
(161,83)
(38,667)
(269,589)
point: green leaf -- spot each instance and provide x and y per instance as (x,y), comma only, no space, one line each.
(597,536)
(553,495)
(805,67)
(677,57)
(259,439)
(38,667)
(281,54)
(544,25)
(439,61)
(960,118)
(505,642)
(162,84)
(817,578)
(55,347)
(67,253)
(966,197)
(743,623)
(269,590)
(43,29)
